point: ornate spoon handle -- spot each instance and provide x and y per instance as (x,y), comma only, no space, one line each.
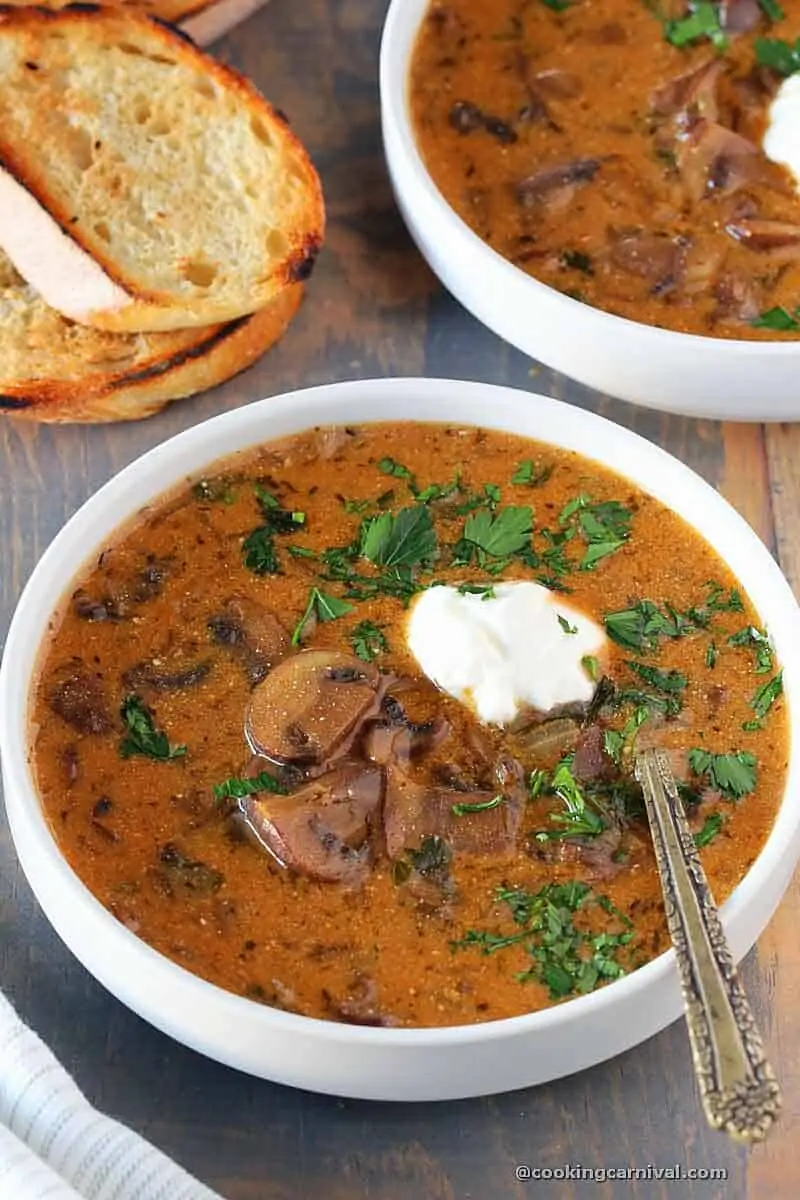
(739,1092)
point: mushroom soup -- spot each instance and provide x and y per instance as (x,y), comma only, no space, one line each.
(638,156)
(347,726)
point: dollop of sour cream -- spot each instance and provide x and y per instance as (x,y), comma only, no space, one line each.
(518,646)
(781,141)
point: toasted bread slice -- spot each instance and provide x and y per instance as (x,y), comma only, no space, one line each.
(143,186)
(203,20)
(56,371)
(166,10)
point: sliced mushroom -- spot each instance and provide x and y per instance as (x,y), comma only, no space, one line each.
(598,857)
(714,159)
(414,811)
(558,84)
(591,760)
(737,299)
(394,738)
(546,740)
(739,16)
(655,257)
(252,634)
(79,698)
(777,241)
(695,91)
(152,675)
(557,183)
(307,708)
(324,830)
(360,1005)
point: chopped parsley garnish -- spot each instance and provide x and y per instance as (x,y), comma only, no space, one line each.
(577,819)
(734,775)
(389,466)
(763,699)
(431,859)
(324,607)
(771,10)
(405,539)
(756,639)
(605,526)
(640,626)
(499,535)
(438,491)
(489,498)
(558,5)
(214,490)
(617,743)
(532,474)
(142,737)
(355,506)
(484,590)
(235,788)
(784,58)
(258,548)
(711,827)
(662,681)
(712,654)
(258,551)
(566,959)
(461,810)
(576,260)
(778,319)
(591,666)
(368,641)
(703,21)
(565,625)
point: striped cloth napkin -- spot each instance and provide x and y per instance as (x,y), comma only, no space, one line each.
(55,1146)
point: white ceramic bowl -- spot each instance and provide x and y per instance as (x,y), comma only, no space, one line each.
(397,1064)
(677,372)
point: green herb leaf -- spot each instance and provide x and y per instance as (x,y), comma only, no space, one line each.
(764,697)
(355,506)
(484,590)
(324,606)
(784,58)
(771,10)
(578,818)
(558,5)
(591,666)
(537,782)
(390,466)
(702,22)
(501,535)
(258,551)
(214,490)
(711,827)
(662,681)
(368,641)
(712,654)
(532,474)
(142,736)
(432,857)
(438,491)
(235,788)
(565,625)
(565,958)
(758,641)
(406,539)
(732,774)
(461,810)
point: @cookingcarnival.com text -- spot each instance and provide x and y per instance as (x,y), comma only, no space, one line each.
(571,1171)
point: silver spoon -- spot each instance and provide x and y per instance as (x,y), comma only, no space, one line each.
(739,1092)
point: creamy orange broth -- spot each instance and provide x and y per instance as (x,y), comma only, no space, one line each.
(180,870)
(611,164)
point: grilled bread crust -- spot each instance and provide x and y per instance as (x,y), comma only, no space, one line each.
(55,371)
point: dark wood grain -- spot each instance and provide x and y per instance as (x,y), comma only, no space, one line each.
(374,309)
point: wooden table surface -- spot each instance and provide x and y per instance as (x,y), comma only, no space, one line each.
(373,309)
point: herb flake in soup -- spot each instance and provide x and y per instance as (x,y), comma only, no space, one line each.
(242,758)
(617,150)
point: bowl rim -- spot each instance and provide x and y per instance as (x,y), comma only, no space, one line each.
(396,50)
(20,657)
